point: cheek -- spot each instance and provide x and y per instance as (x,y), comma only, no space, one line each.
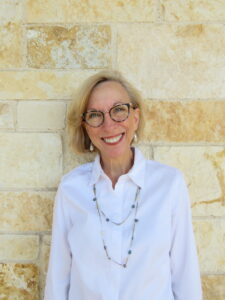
(91,132)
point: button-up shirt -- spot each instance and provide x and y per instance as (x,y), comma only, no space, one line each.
(163,264)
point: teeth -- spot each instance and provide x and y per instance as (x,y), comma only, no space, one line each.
(114,139)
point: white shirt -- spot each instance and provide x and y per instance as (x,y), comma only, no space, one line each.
(163,264)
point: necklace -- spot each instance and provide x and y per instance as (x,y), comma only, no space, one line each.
(107,219)
(135,220)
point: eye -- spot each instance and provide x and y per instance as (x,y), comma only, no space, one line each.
(119,108)
(93,115)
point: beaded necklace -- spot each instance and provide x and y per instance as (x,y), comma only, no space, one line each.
(134,207)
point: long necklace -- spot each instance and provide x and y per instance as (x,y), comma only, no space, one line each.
(107,218)
(135,220)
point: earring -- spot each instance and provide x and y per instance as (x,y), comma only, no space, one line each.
(135,139)
(91,147)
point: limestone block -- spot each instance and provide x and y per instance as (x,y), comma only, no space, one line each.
(146,149)
(209,236)
(26,211)
(19,247)
(71,159)
(93,11)
(11,45)
(11,11)
(30,160)
(40,84)
(44,257)
(7,115)
(19,281)
(69,47)
(186,121)
(193,10)
(41,115)
(46,11)
(172,60)
(204,169)
(213,287)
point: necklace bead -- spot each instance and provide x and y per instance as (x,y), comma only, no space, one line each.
(101,213)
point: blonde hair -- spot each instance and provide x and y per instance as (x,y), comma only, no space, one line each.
(78,138)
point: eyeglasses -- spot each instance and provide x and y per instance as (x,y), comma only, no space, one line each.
(117,113)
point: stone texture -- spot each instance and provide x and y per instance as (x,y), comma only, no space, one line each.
(19,281)
(40,84)
(93,11)
(146,149)
(41,115)
(11,11)
(45,249)
(19,247)
(191,121)
(204,169)
(44,257)
(193,10)
(72,160)
(213,287)
(11,46)
(69,47)
(30,160)
(7,115)
(46,11)
(210,244)
(26,211)
(173,61)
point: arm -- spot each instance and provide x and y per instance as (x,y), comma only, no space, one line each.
(186,283)
(58,276)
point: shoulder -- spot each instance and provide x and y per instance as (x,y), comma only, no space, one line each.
(156,166)
(78,176)
(155,171)
(162,172)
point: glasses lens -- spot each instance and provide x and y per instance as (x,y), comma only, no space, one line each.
(119,113)
(94,118)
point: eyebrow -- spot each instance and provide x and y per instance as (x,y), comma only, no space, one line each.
(116,103)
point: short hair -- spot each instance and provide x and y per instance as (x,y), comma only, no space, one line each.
(78,137)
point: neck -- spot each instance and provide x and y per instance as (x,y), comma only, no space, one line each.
(115,167)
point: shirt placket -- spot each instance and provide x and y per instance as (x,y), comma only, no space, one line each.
(116,240)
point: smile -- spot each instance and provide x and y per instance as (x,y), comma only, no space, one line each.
(114,139)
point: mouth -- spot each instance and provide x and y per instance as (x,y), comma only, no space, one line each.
(114,139)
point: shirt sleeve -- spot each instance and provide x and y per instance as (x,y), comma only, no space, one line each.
(58,276)
(186,282)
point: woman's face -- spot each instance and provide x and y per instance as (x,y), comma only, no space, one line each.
(112,138)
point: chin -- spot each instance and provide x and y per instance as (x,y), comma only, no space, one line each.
(116,152)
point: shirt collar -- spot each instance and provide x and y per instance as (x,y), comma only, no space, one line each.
(136,173)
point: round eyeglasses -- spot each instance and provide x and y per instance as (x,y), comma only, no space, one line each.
(117,113)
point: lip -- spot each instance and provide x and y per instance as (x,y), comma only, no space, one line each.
(111,137)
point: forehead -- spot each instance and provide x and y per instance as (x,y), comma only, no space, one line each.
(107,94)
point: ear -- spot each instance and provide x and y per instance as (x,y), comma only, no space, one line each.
(136,117)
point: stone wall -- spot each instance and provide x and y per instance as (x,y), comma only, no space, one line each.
(173,51)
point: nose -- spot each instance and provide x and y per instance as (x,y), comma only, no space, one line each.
(108,122)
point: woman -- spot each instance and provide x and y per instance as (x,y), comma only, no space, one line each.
(122,224)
